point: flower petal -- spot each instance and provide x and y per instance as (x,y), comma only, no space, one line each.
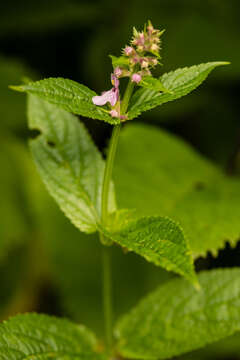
(104,98)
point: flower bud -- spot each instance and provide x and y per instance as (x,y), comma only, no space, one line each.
(117,71)
(154,47)
(136,78)
(144,63)
(128,50)
(123,117)
(141,38)
(114,80)
(114,113)
(140,48)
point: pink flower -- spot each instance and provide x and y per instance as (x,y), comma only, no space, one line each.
(114,113)
(110,96)
(114,80)
(136,78)
(118,71)
(128,50)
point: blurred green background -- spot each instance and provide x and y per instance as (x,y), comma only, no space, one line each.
(46,265)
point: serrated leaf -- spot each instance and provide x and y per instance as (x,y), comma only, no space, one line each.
(152,83)
(68,95)
(160,241)
(176,319)
(69,163)
(185,187)
(180,82)
(121,61)
(43,337)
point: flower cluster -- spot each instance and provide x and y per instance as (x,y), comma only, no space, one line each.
(137,61)
(143,53)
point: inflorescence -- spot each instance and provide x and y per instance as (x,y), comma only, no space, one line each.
(136,62)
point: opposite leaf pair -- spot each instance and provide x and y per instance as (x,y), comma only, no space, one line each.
(161,326)
(73,169)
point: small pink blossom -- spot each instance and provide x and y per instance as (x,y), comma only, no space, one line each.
(114,81)
(136,78)
(117,71)
(140,40)
(154,47)
(128,50)
(144,64)
(114,113)
(110,96)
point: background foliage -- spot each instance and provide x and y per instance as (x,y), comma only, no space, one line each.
(45,263)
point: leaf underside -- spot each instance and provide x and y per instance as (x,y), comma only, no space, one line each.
(185,186)
(69,163)
(176,319)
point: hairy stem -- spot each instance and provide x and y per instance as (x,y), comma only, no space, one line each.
(108,172)
(107,296)
(127,96)
(106,255)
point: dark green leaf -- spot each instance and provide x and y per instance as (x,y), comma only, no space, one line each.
(158,240)
(33,336)
(185,186)
(179,83)
(69,163)
(68,95)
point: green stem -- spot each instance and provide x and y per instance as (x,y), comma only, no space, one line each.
(107,296)
(108,171)
(106,255)
(127,96)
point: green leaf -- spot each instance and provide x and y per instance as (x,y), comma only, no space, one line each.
(227,348)
(43,337)
(69,163)
(72,254)
(185,187)
(68,95)
(158,240)
(176,319)
(179,82)
(152,83)
(121,61)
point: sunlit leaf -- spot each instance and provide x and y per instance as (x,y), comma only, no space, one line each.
(69,163)
(68,95)
(157,173)
(179,83)
(176,319)
(44,337)
(158,240)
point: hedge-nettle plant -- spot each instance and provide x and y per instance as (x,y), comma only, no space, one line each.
(181,315)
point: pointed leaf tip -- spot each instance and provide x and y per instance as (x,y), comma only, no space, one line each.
(181,82)
(18,88)
(160,241)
